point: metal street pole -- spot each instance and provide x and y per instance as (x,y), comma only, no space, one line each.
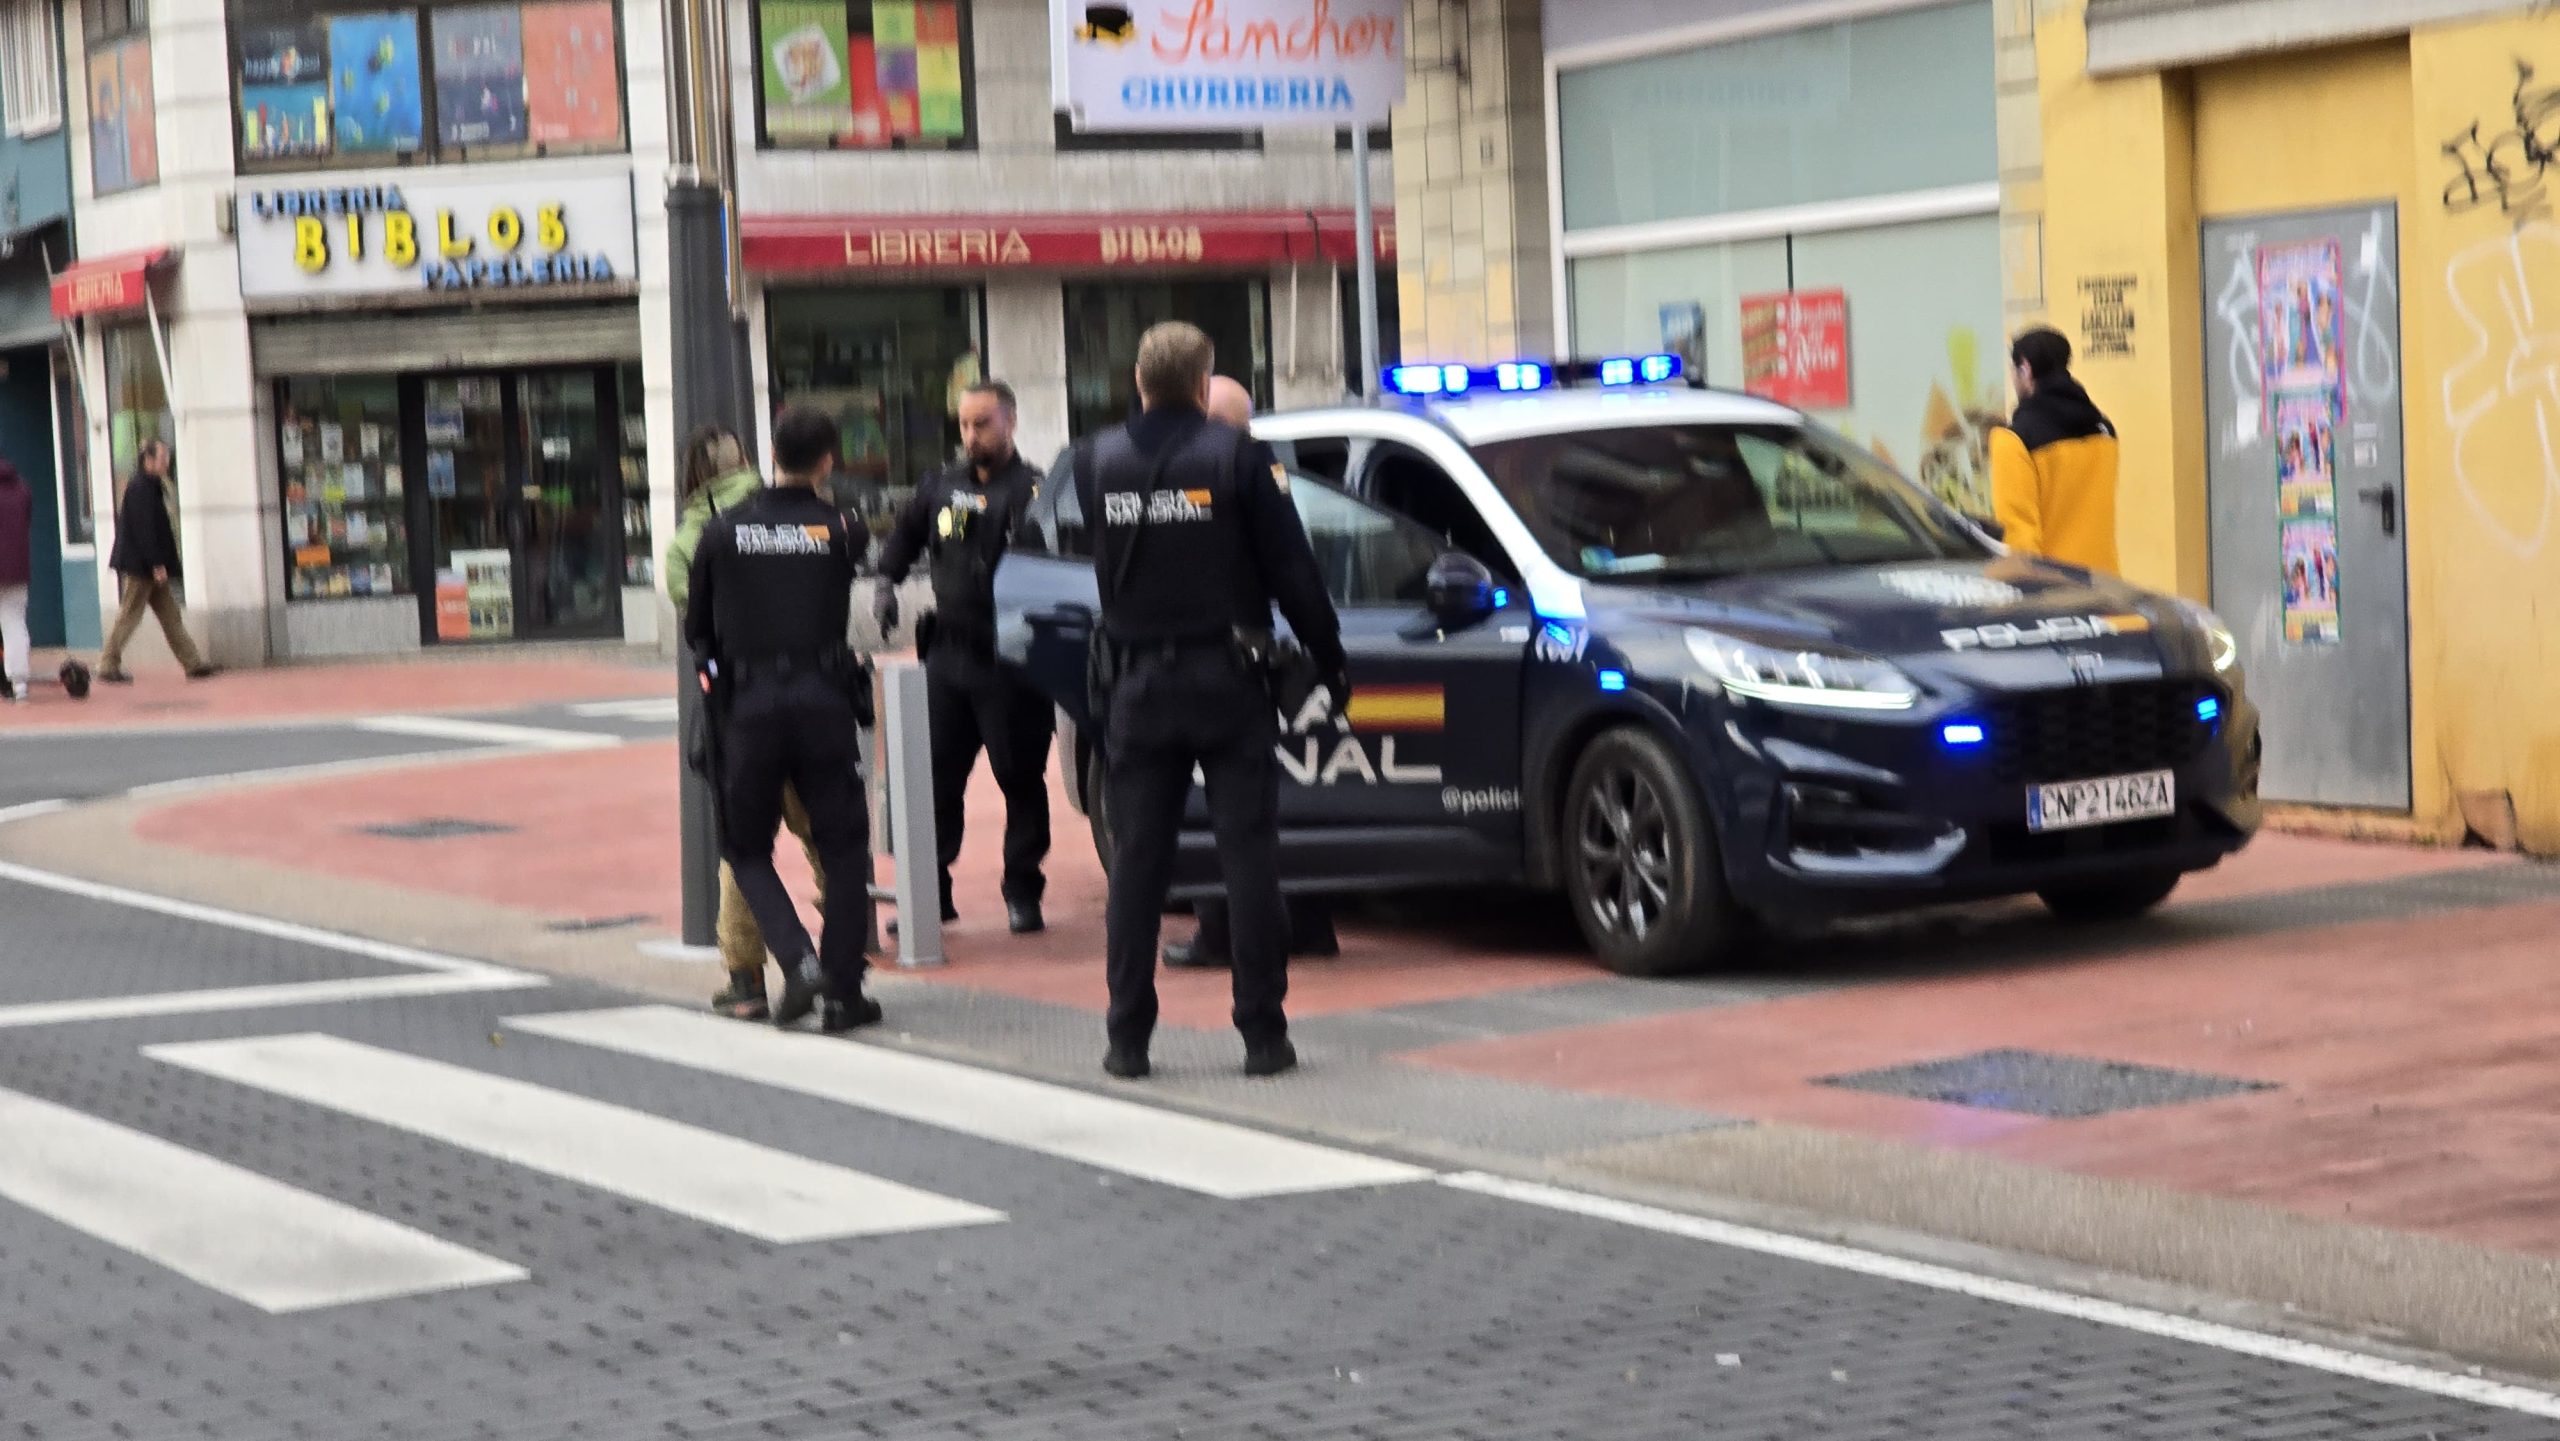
(1364,229)
(701,286)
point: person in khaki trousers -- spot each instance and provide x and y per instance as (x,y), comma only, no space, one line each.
(145,560)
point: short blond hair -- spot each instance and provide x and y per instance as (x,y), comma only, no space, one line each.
(1174,361)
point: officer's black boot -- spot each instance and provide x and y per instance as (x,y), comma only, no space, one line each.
(744,1000)
(1269,1057)
(837,1017)
(799,991)
(1126,1060)
(1023,917)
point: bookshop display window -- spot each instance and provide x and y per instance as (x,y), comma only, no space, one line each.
(346,525)
(889,366)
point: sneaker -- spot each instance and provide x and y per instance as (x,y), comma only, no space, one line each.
(1126,1062)
(744,1000)
(114,677)
(837,1017)
(1269,1058)
(799,992)
(1024,917)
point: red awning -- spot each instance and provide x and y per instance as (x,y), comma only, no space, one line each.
(1093,241)
(107,284)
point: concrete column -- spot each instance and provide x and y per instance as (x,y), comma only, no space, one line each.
(1473,271)
(1027,349)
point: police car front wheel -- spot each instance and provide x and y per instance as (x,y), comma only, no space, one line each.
(2118,898)
(1641,864)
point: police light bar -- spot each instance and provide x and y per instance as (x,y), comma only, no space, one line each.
(1511,377)
(1521,377)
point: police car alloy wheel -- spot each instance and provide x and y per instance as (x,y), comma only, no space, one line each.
(1641,863)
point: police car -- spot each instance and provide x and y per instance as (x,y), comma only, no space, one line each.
(1697,662)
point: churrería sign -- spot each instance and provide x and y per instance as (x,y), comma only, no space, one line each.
(357,235)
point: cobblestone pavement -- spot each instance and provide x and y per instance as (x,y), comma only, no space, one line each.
(538,1210)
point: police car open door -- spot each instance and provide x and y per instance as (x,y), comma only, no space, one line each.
(1419,778)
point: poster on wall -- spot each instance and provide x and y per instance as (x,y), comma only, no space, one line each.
(2301,323)
(453,606)
(573,88)
(2305,484)
(480,89)
(284,90)
(805,89)
(375,99)
(488,584)
(1684,334)
(2311,581)
(141,117)
(1795,348)
(940,110)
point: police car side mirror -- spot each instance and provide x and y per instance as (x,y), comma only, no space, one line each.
(1460,590)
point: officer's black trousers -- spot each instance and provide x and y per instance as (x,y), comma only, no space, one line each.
(987,710)
(801,729)
(1168,713)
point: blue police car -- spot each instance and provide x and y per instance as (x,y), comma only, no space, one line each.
(1697,662)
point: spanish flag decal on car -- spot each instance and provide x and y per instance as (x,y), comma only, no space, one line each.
(1397,708)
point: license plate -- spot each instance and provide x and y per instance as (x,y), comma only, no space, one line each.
(2069,805)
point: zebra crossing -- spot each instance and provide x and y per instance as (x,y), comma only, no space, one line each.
(282,1249)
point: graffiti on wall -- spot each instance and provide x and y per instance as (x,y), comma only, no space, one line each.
(2502,397)
(2507,167)
(1954,462)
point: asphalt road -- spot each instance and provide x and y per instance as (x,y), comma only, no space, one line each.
(258,1182)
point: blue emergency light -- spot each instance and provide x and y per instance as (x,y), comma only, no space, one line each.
(2209,710)
(1963,734)
(1524,377)
(1613,680)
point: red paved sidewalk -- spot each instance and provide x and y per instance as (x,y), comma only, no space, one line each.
(2413,1060)
(500,681)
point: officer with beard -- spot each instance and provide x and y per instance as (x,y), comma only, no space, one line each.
(960,521)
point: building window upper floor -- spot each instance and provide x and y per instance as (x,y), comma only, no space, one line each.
(30,68)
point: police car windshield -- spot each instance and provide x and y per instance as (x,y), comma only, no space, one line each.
(1692,502)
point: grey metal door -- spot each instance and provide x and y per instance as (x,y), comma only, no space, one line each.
(2309,524)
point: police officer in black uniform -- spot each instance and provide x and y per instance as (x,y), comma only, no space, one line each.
(770,607)
(1195,541)
(963,517)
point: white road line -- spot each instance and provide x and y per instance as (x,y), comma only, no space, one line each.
(250,998)
(655,708)
(257,1240)
(769,1194)
(488,732)
(29,810)
(1211,1157)
(2312,1355)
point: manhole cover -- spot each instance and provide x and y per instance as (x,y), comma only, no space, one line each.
(435,828)
(2040,1083)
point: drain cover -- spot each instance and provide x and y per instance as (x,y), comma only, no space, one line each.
(2040,1083)
(435,828)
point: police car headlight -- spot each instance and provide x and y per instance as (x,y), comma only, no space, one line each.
(1792,676)
(2219,642)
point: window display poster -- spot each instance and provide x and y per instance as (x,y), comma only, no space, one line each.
(1795,348)
(376,94)
(284,90)
(110,156)
(453,606)
(806,92)
(488,582)
(2311,581)
(572,88)
(2302,323)
(893,41)
(480,89)
(2305,484)
(939,109)
(1684,334)
(440,473)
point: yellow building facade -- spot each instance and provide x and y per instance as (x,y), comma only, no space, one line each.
(2414,174)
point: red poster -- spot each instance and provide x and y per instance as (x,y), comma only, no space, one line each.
(862,69)
(573,94)
(1795,348)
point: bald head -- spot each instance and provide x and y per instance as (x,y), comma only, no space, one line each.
(1230,403)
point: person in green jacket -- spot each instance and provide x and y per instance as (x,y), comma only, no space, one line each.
(716,477)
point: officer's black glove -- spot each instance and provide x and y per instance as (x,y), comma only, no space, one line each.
(884,608)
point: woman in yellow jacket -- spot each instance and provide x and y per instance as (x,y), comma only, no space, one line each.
(2053,466)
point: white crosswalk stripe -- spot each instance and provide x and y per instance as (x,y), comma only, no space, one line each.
(1190,1152)
(654,708)
(772,1195)
(260,1241)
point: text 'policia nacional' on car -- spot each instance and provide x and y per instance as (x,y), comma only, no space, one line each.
(1697,662)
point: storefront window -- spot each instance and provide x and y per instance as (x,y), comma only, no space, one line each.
(1894,102)
(889,366)
(448,82)
(137,398)
(1104,322)
(1924,345)
(864,74)
(346,513)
